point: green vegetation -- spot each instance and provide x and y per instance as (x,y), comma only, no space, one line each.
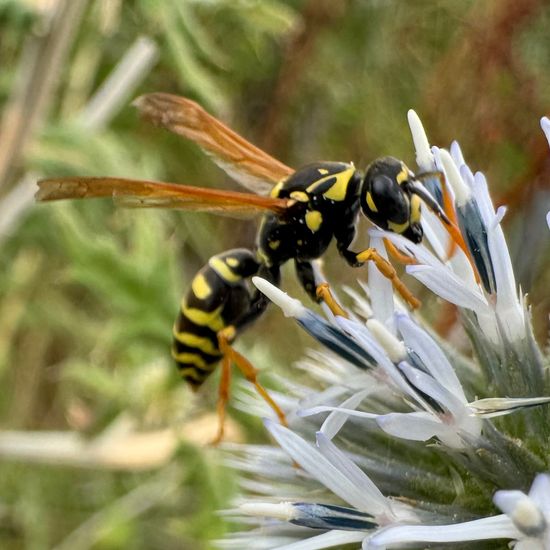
(88,293)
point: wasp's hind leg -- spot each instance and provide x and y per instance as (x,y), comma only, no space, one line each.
(385,267)
(230,355)
(257,305)
(223,398)
(318,290)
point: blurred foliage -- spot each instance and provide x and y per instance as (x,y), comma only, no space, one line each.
(88,293)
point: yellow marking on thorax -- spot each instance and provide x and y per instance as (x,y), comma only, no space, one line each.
(415,209)
(210,319)
(299,196)
(197,342)
(314,219)
(277,189)
(222,269)
(274,244)
(398,227)
(200,287)
(370,202)
(337,191)
(322,171)
(232,262)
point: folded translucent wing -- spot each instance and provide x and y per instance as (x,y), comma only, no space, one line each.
(244,162)
(152,194)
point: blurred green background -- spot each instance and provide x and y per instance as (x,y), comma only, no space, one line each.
(101,446)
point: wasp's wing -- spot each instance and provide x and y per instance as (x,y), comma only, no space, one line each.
(152,194)
(244,162)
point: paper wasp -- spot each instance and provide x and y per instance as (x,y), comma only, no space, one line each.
(304,211)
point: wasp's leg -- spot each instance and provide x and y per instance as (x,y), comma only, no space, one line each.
(318,291)
(306,276)
(385,267)
(225,337)
(397,254)
(223,397)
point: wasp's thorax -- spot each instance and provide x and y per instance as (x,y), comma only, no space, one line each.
(387,199)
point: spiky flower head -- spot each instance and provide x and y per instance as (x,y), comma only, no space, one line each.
(410,443)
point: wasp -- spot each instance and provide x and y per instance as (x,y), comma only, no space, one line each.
(303,211)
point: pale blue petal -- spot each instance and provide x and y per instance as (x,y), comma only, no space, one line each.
(545,125)
(522,511)
(381,289)
(495,527)
(540,492)
(416,426)
(430,354)
(326,540)
(328,408)
(445,284)
(428,385)
(313,462)
(352,472)
(335,420)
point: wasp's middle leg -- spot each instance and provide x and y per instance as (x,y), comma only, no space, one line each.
(317,290)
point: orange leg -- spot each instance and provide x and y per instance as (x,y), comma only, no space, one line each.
(223,397)
(398,255)
(230,355)
(323,293)
(388,271)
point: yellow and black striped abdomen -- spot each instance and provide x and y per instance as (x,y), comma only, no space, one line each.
(217,298)
(195,345)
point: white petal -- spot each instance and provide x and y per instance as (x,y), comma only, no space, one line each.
(435,233)
(495,527)
(522,510)
(456,153)
(326,540)
(540,492)
(341,410)
(353,473)
(313,462)
(364,338)
(424,157)
(416,426)
(428,385)
(394,348)
(335,420)
(381,289)
(445,284)
(279,510)
(290,306)
(430,354)
(530,544)
(545,125)
(454,179)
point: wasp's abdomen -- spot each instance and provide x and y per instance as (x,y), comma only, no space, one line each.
(217,299)
(195,349)
(195,345)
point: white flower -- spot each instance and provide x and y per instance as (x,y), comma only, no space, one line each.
(525,520)
(409,449)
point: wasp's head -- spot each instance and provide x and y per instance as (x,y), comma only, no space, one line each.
(387,200)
